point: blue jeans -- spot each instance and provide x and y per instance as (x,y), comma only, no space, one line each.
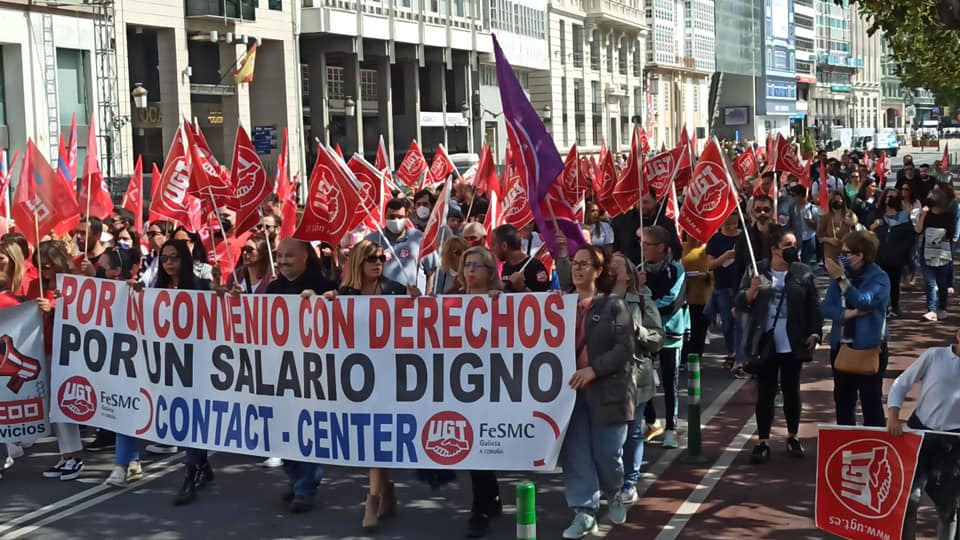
(195,457)
(304,477)
(128,450)
(591,459)
(721,302)
(937,281)
(633,449)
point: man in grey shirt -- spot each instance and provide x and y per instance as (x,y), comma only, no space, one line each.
(401,263)
(938,466)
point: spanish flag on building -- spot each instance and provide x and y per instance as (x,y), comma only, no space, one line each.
(244,73)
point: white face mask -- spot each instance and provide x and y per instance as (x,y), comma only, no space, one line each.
(396,226)
(124,244)
(423,212)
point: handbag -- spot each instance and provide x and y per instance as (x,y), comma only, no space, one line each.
(766,345)
(857,361)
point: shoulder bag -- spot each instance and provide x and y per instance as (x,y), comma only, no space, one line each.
(767,343)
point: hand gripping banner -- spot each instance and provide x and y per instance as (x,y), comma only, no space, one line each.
(465,382)
(24,381)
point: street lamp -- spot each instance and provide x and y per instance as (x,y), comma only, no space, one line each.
(139,94)
(349,106)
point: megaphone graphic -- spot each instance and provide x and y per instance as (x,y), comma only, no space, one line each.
(15,365)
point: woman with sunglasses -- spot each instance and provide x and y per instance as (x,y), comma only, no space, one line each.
(606,392)
(365,277)
(255,272)
(158,232)
(478,275)
(201,268)
(450,255)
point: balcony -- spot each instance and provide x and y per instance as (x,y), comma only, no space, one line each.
(220,9)
(838,61)
(615,14)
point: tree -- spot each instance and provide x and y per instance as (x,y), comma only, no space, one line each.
(923,41)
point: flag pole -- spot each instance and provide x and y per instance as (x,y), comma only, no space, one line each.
(639,158)
(213,242)
(663,204)
(270,247)
(743,220)
(36,230)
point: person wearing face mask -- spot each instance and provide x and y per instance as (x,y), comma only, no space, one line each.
(423,203)
(835,224)
(896,235)
(402,262)
(299,273)
(784,325)
(936,227)
(667,282)
(856,302)
(157,234)
(761,231)
(475,234)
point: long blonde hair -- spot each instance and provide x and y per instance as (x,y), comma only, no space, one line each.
(486,258)
(12,276)
(359,252)
(451,245)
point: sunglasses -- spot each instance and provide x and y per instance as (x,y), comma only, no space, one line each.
(471,238)
(164,259)
(762,209)
(373,259)
(247,249)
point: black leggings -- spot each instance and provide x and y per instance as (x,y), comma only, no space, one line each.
(783,370)
(869,388)
(486,492)
(894,273)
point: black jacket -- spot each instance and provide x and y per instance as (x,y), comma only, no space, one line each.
(308,280)
(761,248)
(387,286)
(801,307)
(896,244)
(612,396)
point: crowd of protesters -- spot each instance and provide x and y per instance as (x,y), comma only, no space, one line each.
(647,296)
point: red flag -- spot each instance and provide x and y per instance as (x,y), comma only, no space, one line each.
(658,170)
(154,182)
(587,173)
(172,200)
(67,175)
(494,217)
(412,166)
(250,182)
(486,176)
(945,160)
(644,142)
(382,164)
(339,151)
(746,165)
(133,199)
(824,191)
(881,166)
(516,202)
(710,197)
(38,196)
(94,198)
(785,159)
(371,210)
(332,200)
(440,169)
(605,182)
(543,255)
(283,174)
(807,179)
(431,242)
(627,190)
(671,210)
(288,208)
(864,478)
(207,178)
(573,182)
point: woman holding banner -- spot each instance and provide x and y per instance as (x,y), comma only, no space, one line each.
(365,277)
(53,259)
(478,275)
(606,392)
(255,273)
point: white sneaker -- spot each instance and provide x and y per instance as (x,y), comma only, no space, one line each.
(162,449)
(56,470)
(7,463)
(671,439)
(617,510)
(117,478)
(629,495)
(272,463)
(71,469)
(583,524)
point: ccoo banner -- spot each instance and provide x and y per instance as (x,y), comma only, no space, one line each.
(864,477)
(24,381)
(465,382)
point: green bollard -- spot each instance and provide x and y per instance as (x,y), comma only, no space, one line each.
(526,511)
(694,453)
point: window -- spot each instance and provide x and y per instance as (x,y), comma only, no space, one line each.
(368,84)
(696,98)
(581,125)
(637,100)
(623,59)
(578,104)
(335,82)
(458,8)
(598,129)
(577,34)
(563,44)
(72,85)
(305,79)
(595,93)
(275,5)
(610,58)
(595,52)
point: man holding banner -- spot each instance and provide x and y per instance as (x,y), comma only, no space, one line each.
(938,370)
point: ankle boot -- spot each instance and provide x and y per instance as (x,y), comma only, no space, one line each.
(188,490)
(388,502)
(370,509)
(205,475)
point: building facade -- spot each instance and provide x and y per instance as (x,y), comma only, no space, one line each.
(866,101)
(681,57)
(733,92)
(593,91)
(833,98)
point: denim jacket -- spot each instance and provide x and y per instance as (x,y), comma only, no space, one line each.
(872,293)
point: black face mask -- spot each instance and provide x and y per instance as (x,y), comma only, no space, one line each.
(836,205)
(791,254)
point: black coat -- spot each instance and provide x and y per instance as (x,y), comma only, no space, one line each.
(309,280)
(612,396)
(801,307)
(896,244)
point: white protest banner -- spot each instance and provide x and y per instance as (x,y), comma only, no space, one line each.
(23,399)
(463,382)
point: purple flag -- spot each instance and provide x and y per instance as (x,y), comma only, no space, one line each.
(540,165)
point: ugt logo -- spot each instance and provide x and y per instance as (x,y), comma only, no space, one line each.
(447,438)
(14,364)
(866,476)
(77,399)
